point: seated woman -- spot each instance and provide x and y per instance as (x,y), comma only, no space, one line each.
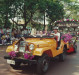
(8,39)
(3,38)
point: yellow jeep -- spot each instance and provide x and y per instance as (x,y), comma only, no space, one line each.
(35,50)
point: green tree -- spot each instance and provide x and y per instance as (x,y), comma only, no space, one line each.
(71,7)
(5,11)
(25,9)
(54,11)
(28,9)
(42,7)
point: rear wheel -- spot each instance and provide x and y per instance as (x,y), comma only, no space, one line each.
(43,64)
(63,55)
(75,49)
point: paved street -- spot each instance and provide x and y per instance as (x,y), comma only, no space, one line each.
(69,67)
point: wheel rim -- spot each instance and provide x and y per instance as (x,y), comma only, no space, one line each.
(45,65)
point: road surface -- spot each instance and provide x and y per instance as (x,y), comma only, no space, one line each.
(69,67)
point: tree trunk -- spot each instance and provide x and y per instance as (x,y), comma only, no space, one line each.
(6,20)
(25,24)
(44,21)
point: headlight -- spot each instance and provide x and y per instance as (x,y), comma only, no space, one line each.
(31,47)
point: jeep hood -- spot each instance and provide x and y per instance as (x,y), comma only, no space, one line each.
(42,42)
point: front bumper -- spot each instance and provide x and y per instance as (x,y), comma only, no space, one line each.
(21,60)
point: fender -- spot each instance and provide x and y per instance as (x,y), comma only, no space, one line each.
(40,51)
(9,48)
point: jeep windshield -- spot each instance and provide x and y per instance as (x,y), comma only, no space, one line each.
(39,36)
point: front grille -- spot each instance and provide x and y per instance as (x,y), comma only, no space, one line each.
(19,54)
(23,46)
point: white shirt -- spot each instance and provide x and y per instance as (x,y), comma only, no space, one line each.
(33,32)
(8,30)
(57,34)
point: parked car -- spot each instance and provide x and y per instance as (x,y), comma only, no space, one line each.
(35,50)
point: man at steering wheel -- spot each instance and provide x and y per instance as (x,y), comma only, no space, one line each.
(57,37)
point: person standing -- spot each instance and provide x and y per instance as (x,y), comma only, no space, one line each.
(29,31)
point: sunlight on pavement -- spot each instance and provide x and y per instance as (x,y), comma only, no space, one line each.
(76,73)
(1,50)
(2,65)
(12,70)
(77,66)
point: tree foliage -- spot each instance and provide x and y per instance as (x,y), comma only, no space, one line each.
(54,11)
(27,10)
(71,7)
(5,11)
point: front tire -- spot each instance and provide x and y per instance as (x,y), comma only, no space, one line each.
(17,65)
(43,64)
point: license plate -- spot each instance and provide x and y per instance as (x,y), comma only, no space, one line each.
(11,62)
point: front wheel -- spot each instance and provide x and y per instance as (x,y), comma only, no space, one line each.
(43,64)
(17,65)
